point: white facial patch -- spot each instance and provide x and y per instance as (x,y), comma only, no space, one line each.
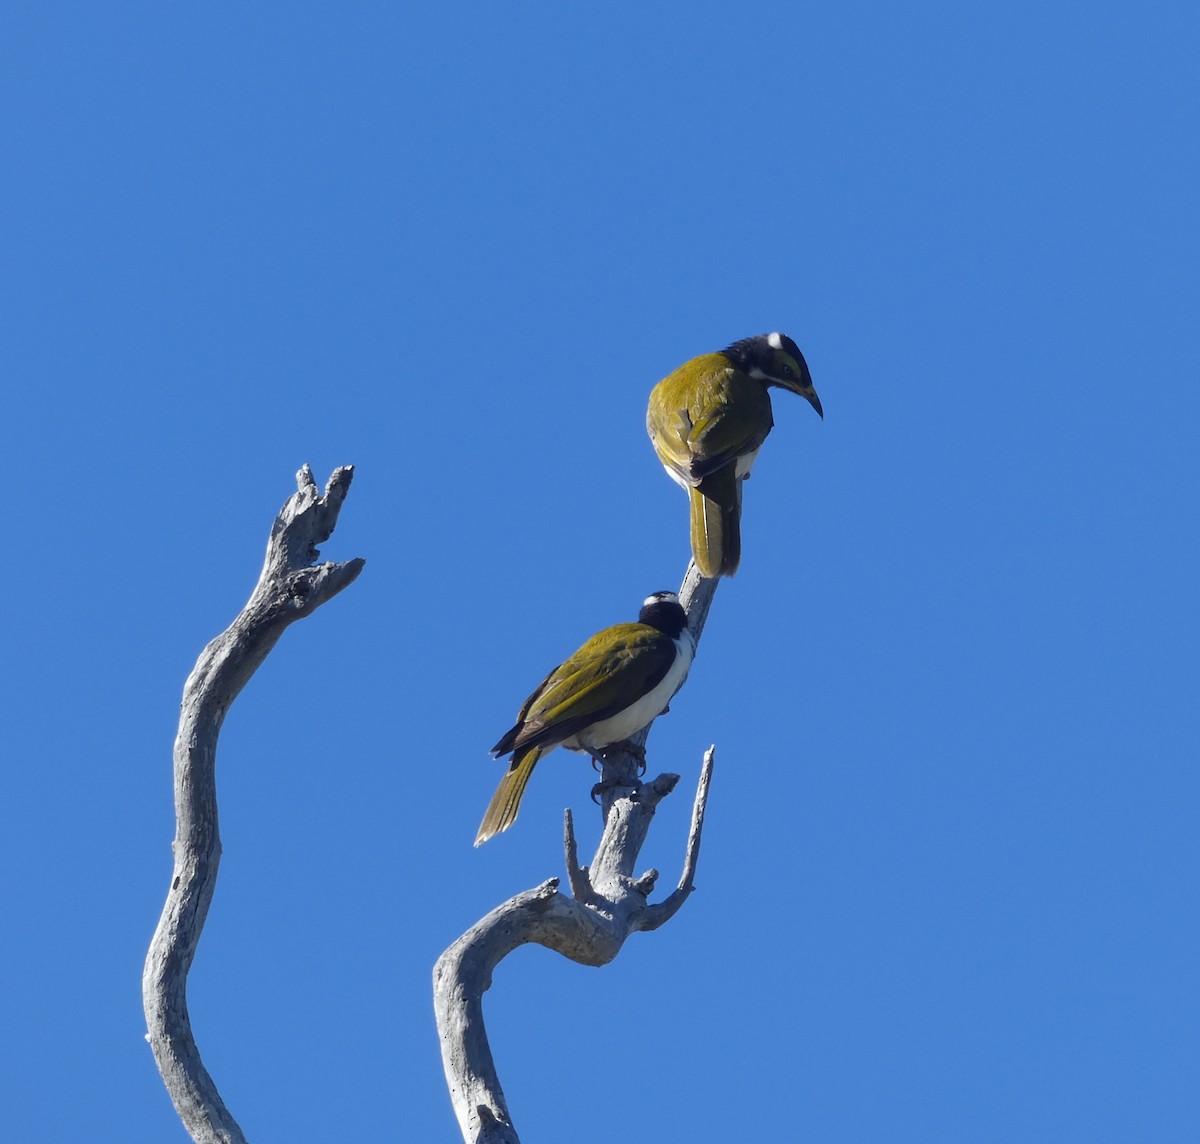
(659,598)
(775,341)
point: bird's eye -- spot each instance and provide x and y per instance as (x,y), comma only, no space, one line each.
(787,370)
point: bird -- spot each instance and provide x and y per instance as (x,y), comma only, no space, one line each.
(615,685)
(708,419)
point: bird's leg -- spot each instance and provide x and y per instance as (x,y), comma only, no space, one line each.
(625,747)
(629,747)
(638,752)
(598,765)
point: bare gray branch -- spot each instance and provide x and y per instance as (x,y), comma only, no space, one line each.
(288,589)
(654,916)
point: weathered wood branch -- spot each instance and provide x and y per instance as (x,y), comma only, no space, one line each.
(290,587)
(606,905)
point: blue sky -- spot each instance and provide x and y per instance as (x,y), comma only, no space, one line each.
(948,883)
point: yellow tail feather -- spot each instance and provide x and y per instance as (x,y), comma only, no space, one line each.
(502,810)
(716,525)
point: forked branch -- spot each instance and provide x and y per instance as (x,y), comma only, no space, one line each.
(290,587)
(607,904)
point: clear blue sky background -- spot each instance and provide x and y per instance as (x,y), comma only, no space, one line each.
(948,888)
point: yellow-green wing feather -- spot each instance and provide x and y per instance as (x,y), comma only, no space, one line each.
(628,659)
(705,415)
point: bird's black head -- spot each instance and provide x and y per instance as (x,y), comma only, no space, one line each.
(774,359)
(664,611)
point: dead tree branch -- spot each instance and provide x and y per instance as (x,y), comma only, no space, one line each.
(290,587)
(607,904)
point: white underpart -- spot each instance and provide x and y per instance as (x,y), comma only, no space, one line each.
(630,721)
(745,462)
(775,341)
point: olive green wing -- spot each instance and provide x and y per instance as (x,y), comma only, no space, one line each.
(613,669)
(705,415)
(508,741)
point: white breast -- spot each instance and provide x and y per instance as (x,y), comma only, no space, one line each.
(630,721)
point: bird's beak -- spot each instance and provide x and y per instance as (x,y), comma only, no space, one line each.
(803,385)
(810,395)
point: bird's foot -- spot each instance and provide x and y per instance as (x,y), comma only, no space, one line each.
(613,784)
(625,747)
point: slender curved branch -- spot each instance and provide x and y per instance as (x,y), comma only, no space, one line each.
(290,587)
(656,915)
(608,904)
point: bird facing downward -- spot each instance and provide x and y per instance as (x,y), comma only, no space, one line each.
(707,421)
(609,690)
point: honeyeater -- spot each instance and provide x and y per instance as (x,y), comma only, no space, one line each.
(611,688)
(707,421)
